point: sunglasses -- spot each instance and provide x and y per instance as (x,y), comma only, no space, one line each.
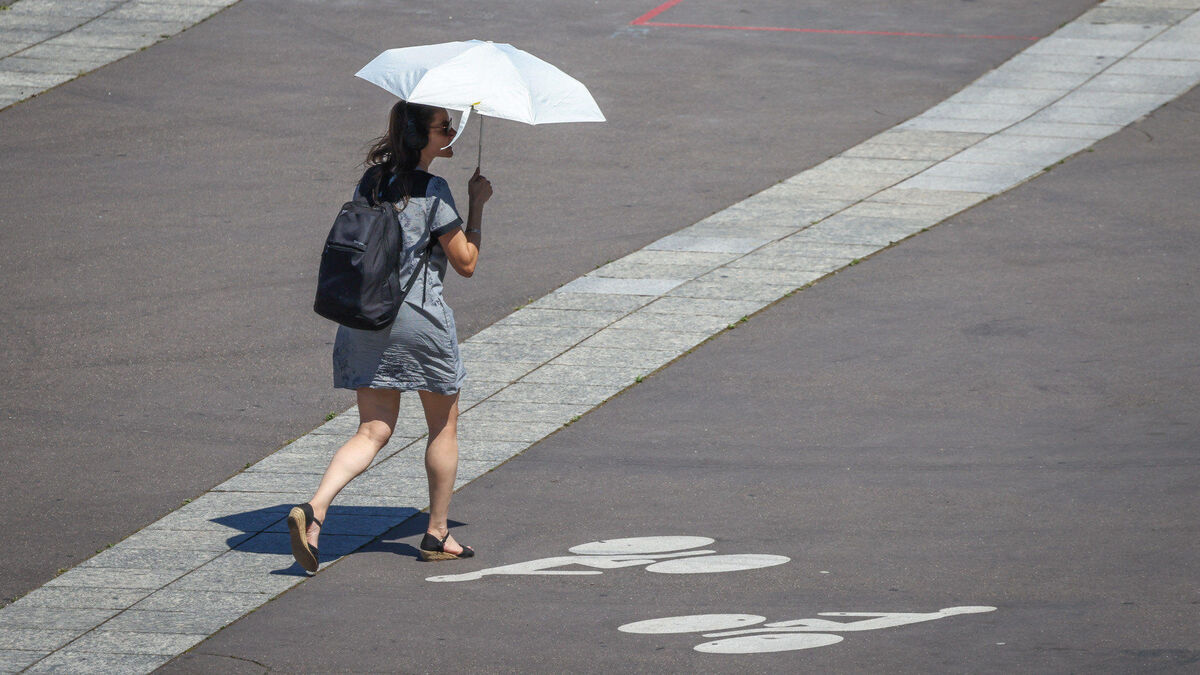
(445,129)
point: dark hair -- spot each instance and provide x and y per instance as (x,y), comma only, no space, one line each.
(397,152)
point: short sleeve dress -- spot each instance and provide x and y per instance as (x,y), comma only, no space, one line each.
(419,351)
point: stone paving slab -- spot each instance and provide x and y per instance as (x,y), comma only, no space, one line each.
(57,51)
(98,38)
(779,260)
(611,358)
(592,375)
(1092,132)
(1056,80)
(655,339)
(127,557)
(59,618)
(560,335)
(677,323)
(195,601)
(496,371)
(128,642)
(525,411)
(591,301)
(542,392)
(973,110)
(1115,116)
(34,639)
(30,65)
(1063,63)
(86,663)
(1135,15)
(1005,96)
(721,290)
(15,660)
(1151,84)
(489,450)
(904,211)
(1184,49)
(985,126)
(703,307)
(114,577)
(242,579)
(950,198)
(533,352)
(209,621)
(81,598)
(902,151)
(559,317)
(621,269)
(681,242)
(210,540)
(65,8)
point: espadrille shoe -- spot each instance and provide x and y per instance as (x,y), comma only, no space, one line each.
(298,519)
(433,548)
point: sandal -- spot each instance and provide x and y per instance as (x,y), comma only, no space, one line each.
(298,519)
(433,548)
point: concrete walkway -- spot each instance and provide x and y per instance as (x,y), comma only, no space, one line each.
(159,592)
(44,43)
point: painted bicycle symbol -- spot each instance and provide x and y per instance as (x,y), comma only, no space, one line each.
(782,636)
(663,555)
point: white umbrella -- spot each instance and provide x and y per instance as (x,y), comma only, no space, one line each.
(493,79)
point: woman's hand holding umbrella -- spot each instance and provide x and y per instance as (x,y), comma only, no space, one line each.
(479,190)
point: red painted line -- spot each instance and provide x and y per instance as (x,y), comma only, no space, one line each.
(838,32)
(641,20)
(647,20)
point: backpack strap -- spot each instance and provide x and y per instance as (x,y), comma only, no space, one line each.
(421,265)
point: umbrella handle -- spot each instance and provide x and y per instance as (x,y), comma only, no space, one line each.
(479,159)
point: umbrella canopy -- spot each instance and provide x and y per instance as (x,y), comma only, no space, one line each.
(494,79)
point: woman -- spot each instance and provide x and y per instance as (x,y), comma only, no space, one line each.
(419,351)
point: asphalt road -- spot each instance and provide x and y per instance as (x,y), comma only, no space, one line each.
(998,412)
(162,216)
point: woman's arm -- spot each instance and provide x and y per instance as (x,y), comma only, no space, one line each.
(462,247)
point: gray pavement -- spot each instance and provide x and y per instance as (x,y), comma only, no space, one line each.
(1003,160)
(142,329)
(998,412)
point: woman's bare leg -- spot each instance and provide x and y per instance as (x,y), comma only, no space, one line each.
(377,411)
(441,461)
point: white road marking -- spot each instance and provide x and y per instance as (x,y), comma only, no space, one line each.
(639,545)
(650,551)
(782,636)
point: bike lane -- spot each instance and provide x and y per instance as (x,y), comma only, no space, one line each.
(974,449)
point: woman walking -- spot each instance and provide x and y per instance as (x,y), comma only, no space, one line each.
(419,351)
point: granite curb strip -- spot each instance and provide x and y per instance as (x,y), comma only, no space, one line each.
(136,605)
(44,43)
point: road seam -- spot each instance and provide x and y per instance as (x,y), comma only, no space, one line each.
(147,599)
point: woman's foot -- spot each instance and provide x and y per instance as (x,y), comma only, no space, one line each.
(304,528)
(439,545)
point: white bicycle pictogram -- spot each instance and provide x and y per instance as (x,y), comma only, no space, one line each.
(782,636)
(662,555)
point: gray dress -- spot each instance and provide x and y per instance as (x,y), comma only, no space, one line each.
(420,349)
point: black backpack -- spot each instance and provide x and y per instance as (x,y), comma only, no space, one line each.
(358,284)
